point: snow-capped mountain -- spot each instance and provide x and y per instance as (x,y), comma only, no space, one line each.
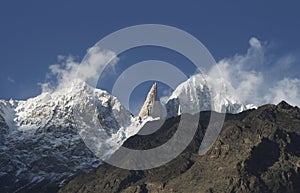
(46,140)
(41,138)
(202,93)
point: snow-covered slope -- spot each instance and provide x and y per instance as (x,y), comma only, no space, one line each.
(41,138)
(202,93)
(47,139)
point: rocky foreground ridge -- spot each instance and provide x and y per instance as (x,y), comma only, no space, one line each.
(257,151)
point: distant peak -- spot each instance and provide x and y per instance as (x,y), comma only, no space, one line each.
(152,105)
(284,105)
(153,92)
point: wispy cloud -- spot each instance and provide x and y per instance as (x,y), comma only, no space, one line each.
(11,80)
(287,89)
(257,76)
(260,77)
(68,69)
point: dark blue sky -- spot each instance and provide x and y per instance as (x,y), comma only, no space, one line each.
(34,33)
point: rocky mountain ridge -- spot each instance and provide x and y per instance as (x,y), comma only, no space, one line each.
(257,151)
(47,140)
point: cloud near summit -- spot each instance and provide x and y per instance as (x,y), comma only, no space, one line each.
(69,69)
(259,77)
(255,77)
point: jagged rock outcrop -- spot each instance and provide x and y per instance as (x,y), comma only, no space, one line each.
(152,106)
(257,151)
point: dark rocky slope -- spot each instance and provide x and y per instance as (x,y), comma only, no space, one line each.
(257,151)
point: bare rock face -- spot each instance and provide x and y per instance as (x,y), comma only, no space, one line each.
(257,151)
(152,106)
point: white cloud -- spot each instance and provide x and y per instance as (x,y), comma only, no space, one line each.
(287,89)
(68,69)
(258,77)
(254,42)
(95,61)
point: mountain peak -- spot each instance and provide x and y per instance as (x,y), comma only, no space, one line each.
(284,105)
(152,106)
(203,93)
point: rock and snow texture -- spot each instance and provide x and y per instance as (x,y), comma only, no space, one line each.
(41,138)
(47,139)
(152,107)
(202,93)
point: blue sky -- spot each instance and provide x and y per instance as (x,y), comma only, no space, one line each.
(34,33)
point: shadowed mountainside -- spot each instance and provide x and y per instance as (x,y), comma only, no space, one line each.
(257,151)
